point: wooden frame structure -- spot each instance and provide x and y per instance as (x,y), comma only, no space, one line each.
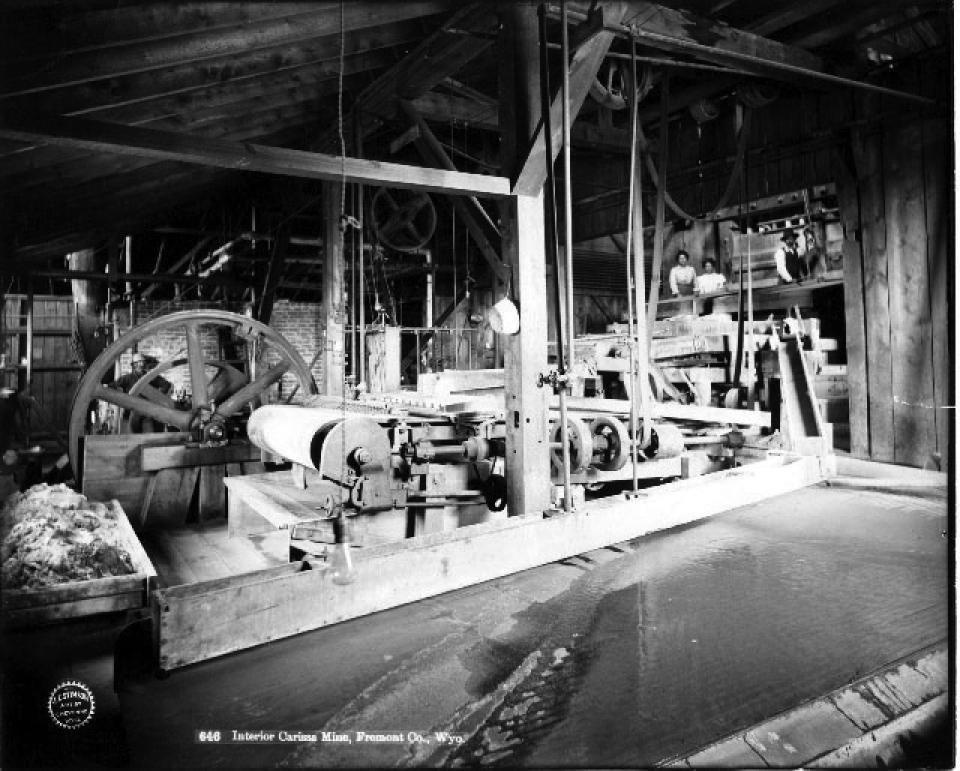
(196,622)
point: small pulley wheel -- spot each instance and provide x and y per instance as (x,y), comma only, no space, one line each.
(404,220)
(611,443)
(580,441)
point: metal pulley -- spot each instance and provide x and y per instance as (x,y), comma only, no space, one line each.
(580,441)
(611,443)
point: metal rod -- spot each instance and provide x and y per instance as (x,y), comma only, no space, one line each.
(560,297)
(361,297)
(631,330)
(567,247)
(551,191)
(640,290)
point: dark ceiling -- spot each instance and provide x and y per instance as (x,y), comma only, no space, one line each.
(281,73)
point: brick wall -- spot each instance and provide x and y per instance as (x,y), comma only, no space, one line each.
(298,323)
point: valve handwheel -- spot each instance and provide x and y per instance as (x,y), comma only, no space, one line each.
(220,390)
(403,220)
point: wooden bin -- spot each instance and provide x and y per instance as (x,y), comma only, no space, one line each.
(74,599)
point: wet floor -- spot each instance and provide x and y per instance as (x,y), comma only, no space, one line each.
(621,657)
(704,631)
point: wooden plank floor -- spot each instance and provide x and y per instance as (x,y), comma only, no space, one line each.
(190,554)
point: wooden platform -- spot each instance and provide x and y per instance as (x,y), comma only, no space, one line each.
(190,555)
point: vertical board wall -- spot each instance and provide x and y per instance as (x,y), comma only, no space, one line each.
(902,281)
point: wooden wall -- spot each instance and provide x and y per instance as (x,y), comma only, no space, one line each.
(897,290)
(55,370)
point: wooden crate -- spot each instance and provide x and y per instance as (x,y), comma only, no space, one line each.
(28,607)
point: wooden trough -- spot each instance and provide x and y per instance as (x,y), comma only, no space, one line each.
(199,621)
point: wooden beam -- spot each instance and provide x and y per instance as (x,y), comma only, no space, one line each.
(163,145)
(482,230)
(679,31)
(178,265)
(583,71)
(446,108)
(187,94)
(196,47)
(440,55)
(781,18)
(278,602)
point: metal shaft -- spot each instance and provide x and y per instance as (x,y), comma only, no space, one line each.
(551,201)
(631,330)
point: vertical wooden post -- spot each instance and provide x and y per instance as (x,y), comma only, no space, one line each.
(853,307)
(525,354)
(869,160)
(88,298)
(914,428)
(333,351)
(525,358)
(938,206)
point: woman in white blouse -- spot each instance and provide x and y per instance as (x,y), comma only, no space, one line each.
(710,281)
(683,277)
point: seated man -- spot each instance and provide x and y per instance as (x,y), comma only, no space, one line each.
(710,281)
(140,365)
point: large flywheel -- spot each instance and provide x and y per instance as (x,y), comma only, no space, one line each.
(219,365)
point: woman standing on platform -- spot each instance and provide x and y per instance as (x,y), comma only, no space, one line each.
(683,278)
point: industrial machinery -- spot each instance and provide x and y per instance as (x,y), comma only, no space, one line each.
(215,366)
(397,467)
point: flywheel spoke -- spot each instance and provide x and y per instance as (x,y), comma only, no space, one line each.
(198,374)
(253,389)
(158,412)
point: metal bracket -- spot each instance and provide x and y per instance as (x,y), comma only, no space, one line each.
(556,380)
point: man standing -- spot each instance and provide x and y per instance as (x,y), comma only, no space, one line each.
(790,265)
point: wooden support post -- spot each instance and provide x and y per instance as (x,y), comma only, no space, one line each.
(88,298)
(333,363)
(868,156)
(914,428)
(525,358)
(583,70)
(527,460)
(849,201)
(937,180)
